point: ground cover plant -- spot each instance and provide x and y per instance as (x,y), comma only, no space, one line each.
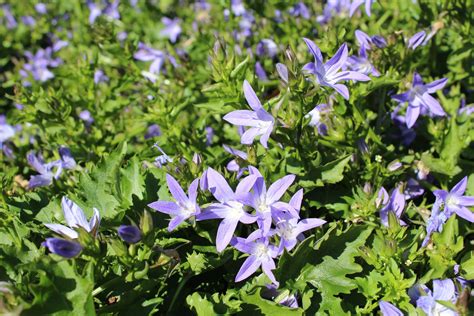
(230,157)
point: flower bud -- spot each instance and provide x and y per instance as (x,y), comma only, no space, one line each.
(130,234)
(64,248)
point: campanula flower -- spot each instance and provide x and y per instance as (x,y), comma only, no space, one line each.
(367,42)
(328,74)
(334,8)
(157,57)
(64,248)
(172,28)
(67,160)
(421,38)
(271,292)
(233,165)
(229,208)
(290,228)
(300,10)
(41,8)
(109,9)
(184,207)
(237,7)
(429,301)
(129,233)
(267,203)
(6,130)
(75,218)
(163,159)
(152,131)
(260,121)
(317,117)
(46,171)
(100,76)
(446,204)
(395,204)
(260,72)
(419,99)
(388,309)
(266,47)
(405,135)
(357,3)
(86,116)
(362,64)
(261,254)
(7,14)
(282,72)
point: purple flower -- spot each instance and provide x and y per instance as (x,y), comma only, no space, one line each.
(172,28)
(230,209)
(362,64)
(106,8)
(452,202)
(260,72)
(64,248)
(209,135)
(233,165)
(367,42)
(357,3)
(316,117)
(86,117)
(419,98)
(163,159)
(237,7)
(41,8)
(272,293)
(129,233)
(157,57)
(45,171)
(6,130)
(300,9)
(11,21)
(28,20)
(266,47)
(261,254)
(290,229)
(394,204)
(259,120)
(334,8)
(99,76)
(282,72)
(443,290)
(267,203)
(185,205)
(421,38)
(67,161)
(388,309)
(328,74)
(153,131)
(413,189)
(406,135)
(75,218)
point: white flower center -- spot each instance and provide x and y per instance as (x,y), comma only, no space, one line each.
(188,209)
(264,125)
(452,200)
(237,209)
(261,250)
(286,230)
(263,207)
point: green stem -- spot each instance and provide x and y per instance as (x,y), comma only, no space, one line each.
(178,290)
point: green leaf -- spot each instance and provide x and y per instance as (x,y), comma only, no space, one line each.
(132,182)
(330,277)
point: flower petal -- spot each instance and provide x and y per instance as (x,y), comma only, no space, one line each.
(251,97)
(165,207)
(436,85)
(176,190)
(225,232)
(248,268)
(63,230)
(279,187)
(242,118)
(314,49)
(460,187)
(412,115)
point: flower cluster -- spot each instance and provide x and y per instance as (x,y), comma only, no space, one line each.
(50,170)
(251,202)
